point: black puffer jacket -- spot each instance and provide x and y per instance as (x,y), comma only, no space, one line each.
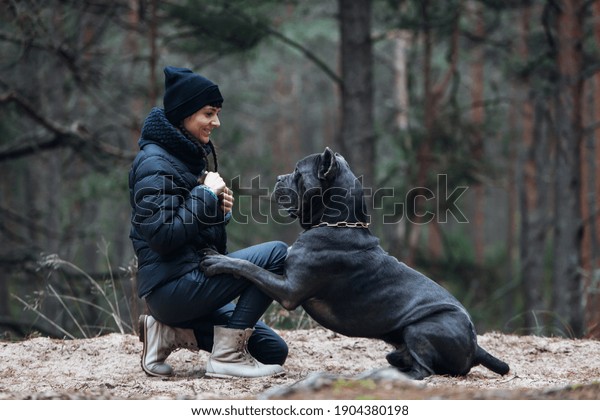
(173,218)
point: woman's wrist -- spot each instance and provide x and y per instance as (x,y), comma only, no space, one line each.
(210,190)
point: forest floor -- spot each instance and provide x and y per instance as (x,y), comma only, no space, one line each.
(321,365)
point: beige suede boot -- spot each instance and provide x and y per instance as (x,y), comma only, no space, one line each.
(230,357)
(160,341)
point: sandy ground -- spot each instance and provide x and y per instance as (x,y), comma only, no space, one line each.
(321,365)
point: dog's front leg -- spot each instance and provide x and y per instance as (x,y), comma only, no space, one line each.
(278,287)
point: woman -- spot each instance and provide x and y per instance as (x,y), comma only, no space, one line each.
(179,209)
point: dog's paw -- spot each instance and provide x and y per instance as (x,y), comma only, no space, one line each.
(210,265)
(208,251)
(214,264)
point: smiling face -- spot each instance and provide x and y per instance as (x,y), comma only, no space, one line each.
(201,123)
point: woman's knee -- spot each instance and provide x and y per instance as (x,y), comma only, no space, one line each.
(276,353)
(267,347)
(279,251)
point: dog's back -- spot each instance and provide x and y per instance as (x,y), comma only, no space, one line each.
(362,290)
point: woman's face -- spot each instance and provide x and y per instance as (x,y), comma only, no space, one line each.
(203,122)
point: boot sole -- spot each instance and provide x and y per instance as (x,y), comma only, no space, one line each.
(143,332)
(222,376)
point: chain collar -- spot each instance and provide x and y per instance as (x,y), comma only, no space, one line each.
(361,225)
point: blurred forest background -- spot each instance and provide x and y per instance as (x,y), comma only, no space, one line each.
(490,107)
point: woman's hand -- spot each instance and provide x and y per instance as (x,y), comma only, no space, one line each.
(213,181)
(226,199)
(216,184)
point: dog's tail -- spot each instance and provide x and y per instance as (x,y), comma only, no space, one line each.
(494,364)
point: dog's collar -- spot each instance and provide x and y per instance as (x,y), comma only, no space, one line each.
(361,225)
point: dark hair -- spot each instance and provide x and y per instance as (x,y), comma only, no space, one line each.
(214,153)
(218,104)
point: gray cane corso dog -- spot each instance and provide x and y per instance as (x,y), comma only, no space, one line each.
(346,282)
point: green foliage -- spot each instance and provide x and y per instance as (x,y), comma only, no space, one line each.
(220,26)
(403,14)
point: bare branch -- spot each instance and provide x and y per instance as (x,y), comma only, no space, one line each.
(75,136)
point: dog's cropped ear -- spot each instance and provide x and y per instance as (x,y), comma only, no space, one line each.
(329,165)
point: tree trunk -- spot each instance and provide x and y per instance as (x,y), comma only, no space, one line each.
(534,200)
(131,45)
(568,294)
(401,39)
(433,99)
(531,196)
(154,54)
(590,195)
(357,135)
(424,152)
(478,120)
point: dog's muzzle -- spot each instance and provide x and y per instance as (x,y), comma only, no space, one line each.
(286,197)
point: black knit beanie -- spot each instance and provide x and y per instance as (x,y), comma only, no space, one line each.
(186,93)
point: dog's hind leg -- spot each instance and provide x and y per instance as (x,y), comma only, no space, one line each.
(402,359)
(443,343)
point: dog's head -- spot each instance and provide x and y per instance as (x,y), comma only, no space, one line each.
(322,188)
